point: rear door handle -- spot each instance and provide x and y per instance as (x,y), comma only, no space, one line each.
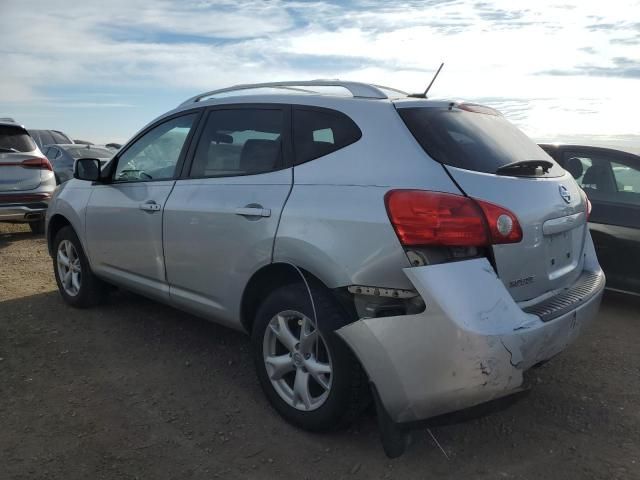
(257,211)
(150,206)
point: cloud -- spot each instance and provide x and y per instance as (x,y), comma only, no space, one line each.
(487,11)
(168,49)
(626,40)
(622,67)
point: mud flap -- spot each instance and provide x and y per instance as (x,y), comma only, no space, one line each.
(394,437)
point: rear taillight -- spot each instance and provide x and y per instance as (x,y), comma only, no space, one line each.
(420,217)
(37,162)
(503,224)
(587,204)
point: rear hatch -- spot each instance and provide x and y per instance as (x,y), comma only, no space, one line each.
(491,160)
(18,171)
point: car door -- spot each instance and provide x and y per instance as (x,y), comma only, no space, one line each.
(221,219)
(611,180)
(124,216)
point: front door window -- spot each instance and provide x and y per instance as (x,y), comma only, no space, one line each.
(155,155)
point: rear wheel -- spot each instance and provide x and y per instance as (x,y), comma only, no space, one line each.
(310,376)
(77,284)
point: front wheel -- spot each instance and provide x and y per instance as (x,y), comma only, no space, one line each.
(77,284)
(310,376)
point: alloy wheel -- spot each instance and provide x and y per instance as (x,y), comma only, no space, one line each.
(69,268)
(297,360)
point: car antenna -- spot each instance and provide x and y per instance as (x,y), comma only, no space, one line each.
(424,95)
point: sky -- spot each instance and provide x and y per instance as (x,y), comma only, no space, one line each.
(566,70)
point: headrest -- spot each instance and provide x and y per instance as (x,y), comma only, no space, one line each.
(597,178)
(574,167)
(259,155)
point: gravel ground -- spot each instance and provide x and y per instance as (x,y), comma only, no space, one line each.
(135,389)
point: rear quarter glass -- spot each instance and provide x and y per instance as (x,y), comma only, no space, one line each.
(480,142)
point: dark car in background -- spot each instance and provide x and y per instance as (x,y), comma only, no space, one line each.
(611,180)
(48,137)
(63,157)
(26,178)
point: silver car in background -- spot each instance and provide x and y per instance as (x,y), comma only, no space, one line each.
(64,156)
(26,178)
(374,244)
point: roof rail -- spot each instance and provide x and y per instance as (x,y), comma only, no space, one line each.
(357,89)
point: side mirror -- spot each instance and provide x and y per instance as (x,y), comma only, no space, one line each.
(87,169)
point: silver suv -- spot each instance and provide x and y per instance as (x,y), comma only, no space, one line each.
(26,178)
(422,253)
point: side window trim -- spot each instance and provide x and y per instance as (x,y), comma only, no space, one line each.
(287,139)
(113,165)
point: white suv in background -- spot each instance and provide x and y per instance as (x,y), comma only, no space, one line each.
(26,178)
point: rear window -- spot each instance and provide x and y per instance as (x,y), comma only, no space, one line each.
(15,139)
(481,142)
(84,152)
(59,137)
(320,131)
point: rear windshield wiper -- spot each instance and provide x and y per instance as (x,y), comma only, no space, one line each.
(525,167)
(8,149)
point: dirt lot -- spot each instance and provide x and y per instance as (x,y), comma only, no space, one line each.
(134,389)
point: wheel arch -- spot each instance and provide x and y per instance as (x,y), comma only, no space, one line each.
(55,224)
(269,278)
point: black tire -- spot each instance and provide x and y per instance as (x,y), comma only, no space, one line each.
(92,290)
(37,227)
(349,394)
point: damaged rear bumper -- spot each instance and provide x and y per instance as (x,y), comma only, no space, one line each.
(470,345)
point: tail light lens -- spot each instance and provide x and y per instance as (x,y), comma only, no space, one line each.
(587,203)
(38,162)
(420,217)
(503,224)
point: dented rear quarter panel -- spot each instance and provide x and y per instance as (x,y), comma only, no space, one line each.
(471,344)
(335,223)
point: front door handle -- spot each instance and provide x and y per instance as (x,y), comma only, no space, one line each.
(253,211)
(150,206)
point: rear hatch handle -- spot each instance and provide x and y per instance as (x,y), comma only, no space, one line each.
(525,168)
(562,224)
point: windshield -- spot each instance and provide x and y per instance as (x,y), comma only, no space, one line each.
(481,142)
(90,152)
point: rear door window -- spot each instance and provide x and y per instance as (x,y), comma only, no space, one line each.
(320,131)
(14,139)
(605,177)
(627,181)
(472,140)
(243,141)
